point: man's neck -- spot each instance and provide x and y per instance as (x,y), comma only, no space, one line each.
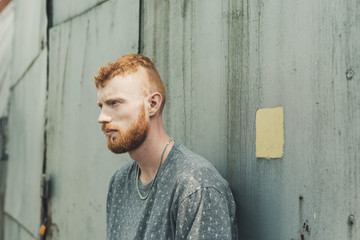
(148,154)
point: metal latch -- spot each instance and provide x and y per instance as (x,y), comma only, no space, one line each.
(45,186)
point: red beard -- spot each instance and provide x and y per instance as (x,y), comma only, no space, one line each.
(132,138)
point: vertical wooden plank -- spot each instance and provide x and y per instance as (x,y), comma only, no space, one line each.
(296,56)
(6,36)
(187,42)
(15,231)
(26,147)
(79,163)
(280,53)
(65,10)
(29,34)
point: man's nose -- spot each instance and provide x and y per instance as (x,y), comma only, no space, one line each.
(104,118)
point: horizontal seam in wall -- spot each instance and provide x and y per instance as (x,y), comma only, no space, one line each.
(79,14)
(20,224)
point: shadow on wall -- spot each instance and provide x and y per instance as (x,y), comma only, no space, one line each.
(3,168)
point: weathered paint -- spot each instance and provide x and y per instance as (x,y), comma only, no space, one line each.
(30,35)
(65,10)
(270,132)
(274,53)
(78,161)
(3,170)
(296,55)
(221,61)
(14,231)
(26,120)
(6,38)
(26,148)
(4,133)
(186,39)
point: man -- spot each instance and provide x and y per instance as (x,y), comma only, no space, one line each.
(167,192)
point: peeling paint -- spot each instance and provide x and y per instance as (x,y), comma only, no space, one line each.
(221,61)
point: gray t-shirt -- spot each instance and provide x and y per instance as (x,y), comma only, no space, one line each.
(189,200)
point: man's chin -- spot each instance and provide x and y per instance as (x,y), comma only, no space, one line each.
(117,149)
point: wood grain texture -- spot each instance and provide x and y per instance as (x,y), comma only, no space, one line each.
(29,35)
(223,60)
(78,161)
(26,148)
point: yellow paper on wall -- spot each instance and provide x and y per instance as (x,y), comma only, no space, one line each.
(270,132)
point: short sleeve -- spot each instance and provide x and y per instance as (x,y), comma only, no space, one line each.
(206,214)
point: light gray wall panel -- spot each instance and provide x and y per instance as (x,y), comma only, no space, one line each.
(3,170)
(15,232)
(67,9)
(186,40)
(262,54)
(29,34)
(221,61)
(26,147)
(295,57)
(79,163)
(6,38)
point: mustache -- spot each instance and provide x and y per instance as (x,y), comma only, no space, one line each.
(107,126)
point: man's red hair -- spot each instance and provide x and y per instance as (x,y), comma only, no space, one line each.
(130,64)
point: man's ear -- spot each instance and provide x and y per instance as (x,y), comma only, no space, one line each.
(154,103)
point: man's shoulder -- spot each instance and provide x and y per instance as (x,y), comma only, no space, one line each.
(192,172)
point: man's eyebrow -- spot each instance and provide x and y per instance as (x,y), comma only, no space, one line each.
(111,99)
(117,99)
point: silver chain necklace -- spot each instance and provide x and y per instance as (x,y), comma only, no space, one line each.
(152,184)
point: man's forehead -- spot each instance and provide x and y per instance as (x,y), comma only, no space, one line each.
(103,96)
(132,84)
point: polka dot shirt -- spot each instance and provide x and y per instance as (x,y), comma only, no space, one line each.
(189,200)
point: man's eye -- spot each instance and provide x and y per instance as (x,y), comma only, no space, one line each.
(113,102)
